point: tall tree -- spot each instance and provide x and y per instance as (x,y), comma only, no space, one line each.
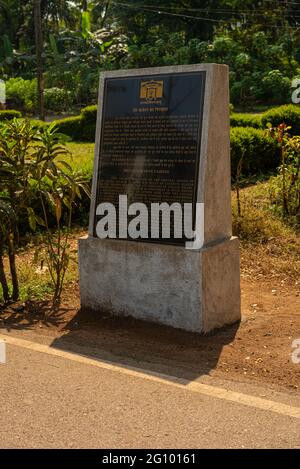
(39,59)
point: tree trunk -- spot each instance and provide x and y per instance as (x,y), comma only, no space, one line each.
(39,60)
(3,281)
(13,270)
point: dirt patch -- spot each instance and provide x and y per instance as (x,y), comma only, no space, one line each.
(258,350)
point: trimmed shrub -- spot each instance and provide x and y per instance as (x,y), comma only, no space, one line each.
(88,132)
(70,126)
(80,128)
(259,150)
(37,124)
(89,118)
(245,120)
(89,114)
(288,114)
(9,115)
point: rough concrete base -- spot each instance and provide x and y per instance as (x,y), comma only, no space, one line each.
(192,290)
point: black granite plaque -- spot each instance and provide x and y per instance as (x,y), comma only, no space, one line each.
(150,140)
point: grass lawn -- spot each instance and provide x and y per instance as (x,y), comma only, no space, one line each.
(82,156)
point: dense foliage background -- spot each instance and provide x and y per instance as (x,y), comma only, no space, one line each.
(259,40)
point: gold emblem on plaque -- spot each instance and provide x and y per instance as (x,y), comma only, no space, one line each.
(151,90)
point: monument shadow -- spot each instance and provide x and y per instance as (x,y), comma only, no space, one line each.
(154,348)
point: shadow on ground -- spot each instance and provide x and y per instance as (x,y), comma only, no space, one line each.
(20,316)
(124,341)
(133,343)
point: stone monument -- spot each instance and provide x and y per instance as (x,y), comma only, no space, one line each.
(162,136)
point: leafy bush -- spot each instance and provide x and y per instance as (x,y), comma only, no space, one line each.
(259,151)
(245,120)
(35,178)
(285,187)
(22,93)
(57,99)
(9,115)
(274,86)
(288,114)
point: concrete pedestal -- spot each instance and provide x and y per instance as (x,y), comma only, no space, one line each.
(192,290)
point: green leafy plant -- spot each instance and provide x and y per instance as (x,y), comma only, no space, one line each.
(36,184)
(17,139)
(23,93)
(275,86)
(285,187)
(288,115)
(57,186)
(58,195)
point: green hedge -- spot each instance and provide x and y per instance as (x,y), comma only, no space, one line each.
(9,115)
(71,126)
(89,114)
(84,129)
(80,128)
(245,120)
(288,114)
(260,151)
(89,119)
(37,123)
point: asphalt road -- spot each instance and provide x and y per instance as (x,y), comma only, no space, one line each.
(55,399)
